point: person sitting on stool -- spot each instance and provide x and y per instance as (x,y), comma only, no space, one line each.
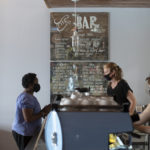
(144,116)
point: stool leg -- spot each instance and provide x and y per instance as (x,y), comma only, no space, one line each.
(148,142)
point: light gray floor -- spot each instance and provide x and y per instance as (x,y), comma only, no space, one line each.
(41,143)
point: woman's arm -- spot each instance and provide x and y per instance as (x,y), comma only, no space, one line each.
(29,116)
(142,128)
(132,101)
(144,116)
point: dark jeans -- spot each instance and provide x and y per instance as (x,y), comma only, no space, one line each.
(21,140)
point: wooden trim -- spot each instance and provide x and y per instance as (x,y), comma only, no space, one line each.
(98,3)
(96,108)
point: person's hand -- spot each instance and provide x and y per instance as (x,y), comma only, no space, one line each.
(46,110)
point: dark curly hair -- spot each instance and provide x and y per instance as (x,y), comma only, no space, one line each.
(28,79)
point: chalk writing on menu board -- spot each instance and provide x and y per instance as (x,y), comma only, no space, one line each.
(66,76)
(93,36)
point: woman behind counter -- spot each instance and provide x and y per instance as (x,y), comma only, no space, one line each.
(28,116)
(118,87)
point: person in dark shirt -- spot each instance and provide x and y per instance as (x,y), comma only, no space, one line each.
(118,87)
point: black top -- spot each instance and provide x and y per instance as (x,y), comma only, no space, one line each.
(120,92)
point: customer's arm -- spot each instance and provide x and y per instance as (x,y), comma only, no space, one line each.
(144,116)
(142,128)
(29,116)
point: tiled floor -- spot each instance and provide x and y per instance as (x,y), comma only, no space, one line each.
(141,143)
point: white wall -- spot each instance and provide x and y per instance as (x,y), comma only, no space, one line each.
(24,47)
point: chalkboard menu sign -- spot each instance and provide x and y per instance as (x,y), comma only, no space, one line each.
(92,31)
(66,76)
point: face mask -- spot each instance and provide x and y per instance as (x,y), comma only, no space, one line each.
(36,87)
(107,77)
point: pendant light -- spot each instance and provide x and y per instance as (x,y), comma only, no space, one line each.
(75,36)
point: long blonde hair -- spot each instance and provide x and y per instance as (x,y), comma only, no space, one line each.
(114,67)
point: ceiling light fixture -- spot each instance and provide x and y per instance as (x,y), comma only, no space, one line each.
(75,36)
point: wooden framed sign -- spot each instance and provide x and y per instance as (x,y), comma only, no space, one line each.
(66,76)
(93,34)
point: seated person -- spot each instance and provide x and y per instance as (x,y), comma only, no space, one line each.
(144,116)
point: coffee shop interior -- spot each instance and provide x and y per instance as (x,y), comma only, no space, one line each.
(67,43)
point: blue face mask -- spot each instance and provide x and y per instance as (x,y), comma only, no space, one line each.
(107,77)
